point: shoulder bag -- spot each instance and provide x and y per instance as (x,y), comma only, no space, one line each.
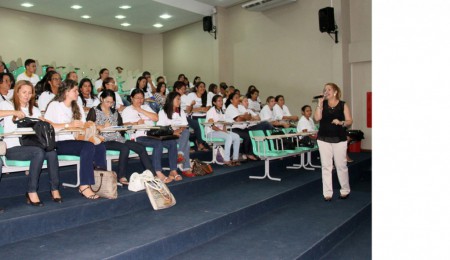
(158,193)
(105,184)
(200,168)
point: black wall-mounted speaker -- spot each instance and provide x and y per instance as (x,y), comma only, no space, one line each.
(207,23)
(326,20)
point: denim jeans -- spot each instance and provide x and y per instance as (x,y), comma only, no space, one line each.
(183,147)
(230,139)
(124,149)
(157,146)
(36,156)
(90,156)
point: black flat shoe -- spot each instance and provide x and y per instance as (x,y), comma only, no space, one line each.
(343,197)
(327,199)
(36,204)
(57,200)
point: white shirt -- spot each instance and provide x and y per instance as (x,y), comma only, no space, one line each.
(280,112)
(90,102)
(216,116)
(209,99)
(147,94)
(307,124)
(119,102)
(198,103)
(44,99)
(244,110)
(184,102)
(266,114)
(131,115)
(177,119)
(9,126)
(34,79)
(98,84)
(231,113)
(254,105)
(8,96)
(59,113)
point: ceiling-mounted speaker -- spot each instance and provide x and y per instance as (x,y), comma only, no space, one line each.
(207,24)
(326,20)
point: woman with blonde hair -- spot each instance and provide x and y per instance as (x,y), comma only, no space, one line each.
(334,116)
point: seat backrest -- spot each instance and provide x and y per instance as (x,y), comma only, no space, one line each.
(263,146)
(202,128)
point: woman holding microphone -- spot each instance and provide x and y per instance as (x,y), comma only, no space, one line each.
(334,116)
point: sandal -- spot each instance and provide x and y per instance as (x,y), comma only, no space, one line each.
(236,163)
(92,197)
(202,148)
(163,177)
(251,157)
(175,176)
(229,163)
(123,181)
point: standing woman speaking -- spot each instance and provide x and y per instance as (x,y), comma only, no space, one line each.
(334,116)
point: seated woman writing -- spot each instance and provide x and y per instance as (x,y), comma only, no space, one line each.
(138,114)
(23,106)
(105,116)
(214,115)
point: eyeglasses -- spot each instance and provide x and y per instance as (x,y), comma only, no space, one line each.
(56,79)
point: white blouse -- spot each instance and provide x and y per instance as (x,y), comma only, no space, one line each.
(198,103)
(59,113)
(131,115)
(177,119)
(266,114)
(216,116)
(231,113)
(307,124)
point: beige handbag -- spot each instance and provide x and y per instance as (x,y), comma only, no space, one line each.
(105,184)
(159,194)
(89,134)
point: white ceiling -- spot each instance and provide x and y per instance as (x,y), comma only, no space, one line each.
(142,14)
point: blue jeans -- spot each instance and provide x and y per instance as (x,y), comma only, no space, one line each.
(230,138)
(90,156)
(36,156)
(157,146)
(184,147)
(124,149)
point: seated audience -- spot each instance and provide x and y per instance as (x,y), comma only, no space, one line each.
(110,83)
(29,73)
(65,112)
(281,111)
(3,67)
(150,84)
(213,90)
(232,114)
(160,94)
(50,89)
(87,99)
(180,88)
(104,116)
(198,110)
(253,100)
(6,93)
(141,83)
(138,114)
(216,130)
(306,123)
(173,115)
(72,75)
(223,90)
(23,106)
(267,114)
(103,74)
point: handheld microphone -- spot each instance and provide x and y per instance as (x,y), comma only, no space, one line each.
(317,97)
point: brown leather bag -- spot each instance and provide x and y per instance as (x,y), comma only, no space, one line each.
(89,133)
(105,184)
(200,168)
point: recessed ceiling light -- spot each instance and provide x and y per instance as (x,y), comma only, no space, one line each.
(158,25)
(120,16)
(125,24)
(27,5)
(85,16)
(125,7)
(165,16)
(76,7)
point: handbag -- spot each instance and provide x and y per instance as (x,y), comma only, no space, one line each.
(44,136)
(159,194)
(160,131)
(220,154)
(89,133)
(200,168)
(137,180)
(105,184)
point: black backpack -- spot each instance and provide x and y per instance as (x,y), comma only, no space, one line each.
(44,137)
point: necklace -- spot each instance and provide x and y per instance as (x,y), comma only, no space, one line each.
(333,107)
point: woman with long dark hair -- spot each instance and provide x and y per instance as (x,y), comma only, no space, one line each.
(334,116)
(50,89)
(87,98)
(110,83)
(199,109)
(160,94)
(102,75)
(65,112)
(23,105)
